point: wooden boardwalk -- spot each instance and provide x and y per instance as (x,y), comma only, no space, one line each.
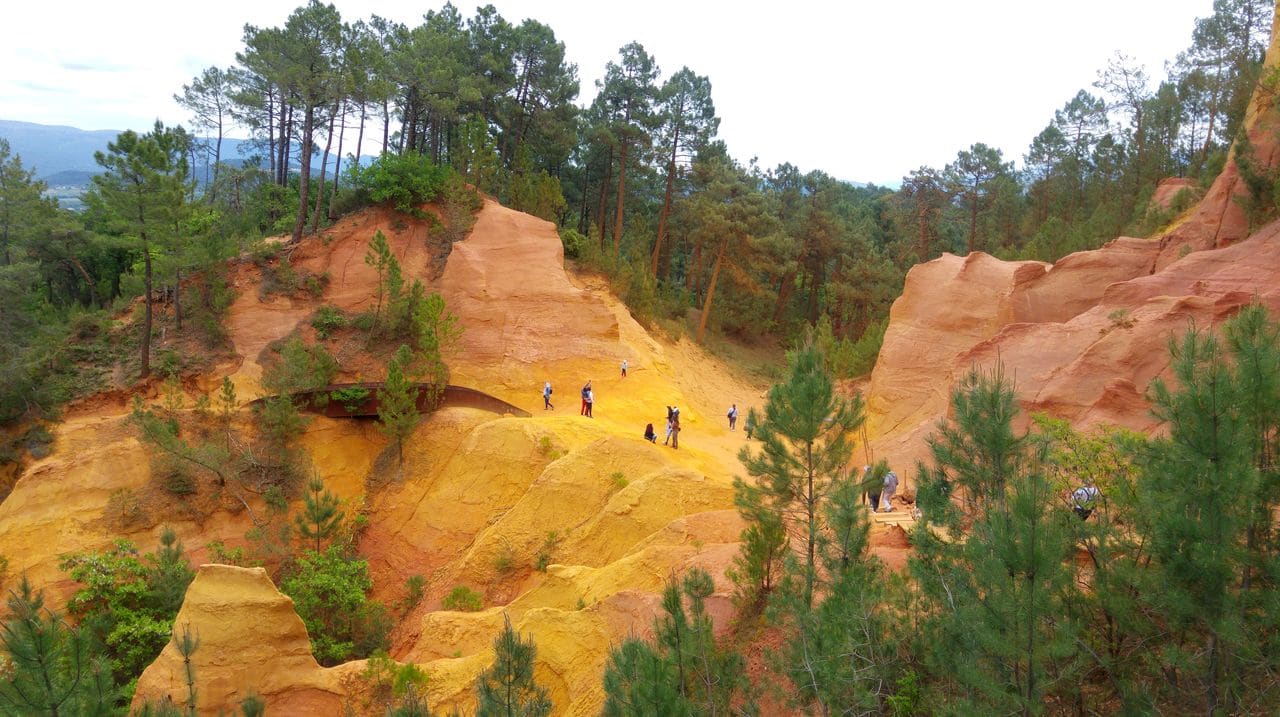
(900,516)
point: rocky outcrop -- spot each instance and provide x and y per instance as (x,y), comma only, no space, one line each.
(1080,340)
(251,643)
(1219,219)
(1083,338)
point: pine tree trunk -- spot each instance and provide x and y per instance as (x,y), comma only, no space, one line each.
(217,160)
(177,298)
(784,295)
(304,180)
(973,221)
(146,321)
(711,290)
(386,126)
(622,189)
(666,208)
(271,132)
(337,164)
(324,168)
(604,194)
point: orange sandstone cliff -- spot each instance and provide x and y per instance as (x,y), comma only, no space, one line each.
(1081,338)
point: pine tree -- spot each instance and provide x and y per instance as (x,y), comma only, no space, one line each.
(806,452)
(53,667)
(398,411)
(639,683)
(141,195)
(321,515)
(379,257)
(995,626)
(169,574)
(507,689)
(1199,490)
(839,654)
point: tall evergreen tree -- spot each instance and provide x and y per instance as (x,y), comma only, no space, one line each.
(629,91)
(310,60)
(805,454)
(1201,490)
(508,689)
(321,515)
(53,667)
(973,178)
(688,122)
(141,196)
(208,98)
(994,624)
(398,411)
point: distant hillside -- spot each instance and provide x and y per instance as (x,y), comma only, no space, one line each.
(63,156)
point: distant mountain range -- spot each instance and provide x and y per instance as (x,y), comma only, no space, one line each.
(63,156)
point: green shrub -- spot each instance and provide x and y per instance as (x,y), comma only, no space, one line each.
(37,441)
(327,319)
(351,397)
(315,284)
(463,599)
(128,601)
(403,180)
(364,321)
(505,561)
(413,591)
(549,544)
(178,481)
(330,591)
(574,242)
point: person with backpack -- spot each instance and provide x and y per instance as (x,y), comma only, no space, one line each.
(585,390)
(1084,499)
(886,496)
(546,397)
(733,416)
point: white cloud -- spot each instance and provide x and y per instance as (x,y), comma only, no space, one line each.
(863,90)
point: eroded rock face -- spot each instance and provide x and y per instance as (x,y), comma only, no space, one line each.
(1088,356)
(1081,339)
(947,306)
(1219,219)
(251,642)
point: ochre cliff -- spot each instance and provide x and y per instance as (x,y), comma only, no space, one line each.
(1082,338)
(477,498)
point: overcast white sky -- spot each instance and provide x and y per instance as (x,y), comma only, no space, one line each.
(865,90)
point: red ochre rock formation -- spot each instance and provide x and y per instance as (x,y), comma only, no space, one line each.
(1081,339)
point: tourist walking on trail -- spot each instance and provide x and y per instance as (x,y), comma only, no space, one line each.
(585,390)
(546,397)
(750,424)
(649,435)
(890,487)
(624,368)
(670,423)
(733,416)
(591,399)
(873,483)
(675,427)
